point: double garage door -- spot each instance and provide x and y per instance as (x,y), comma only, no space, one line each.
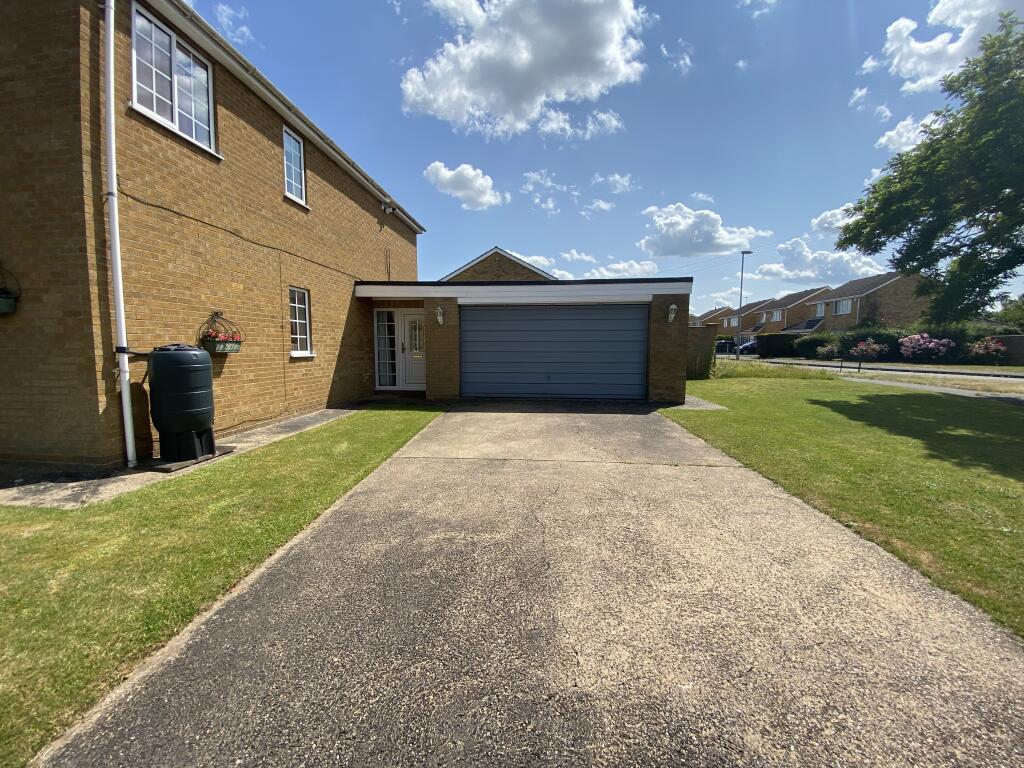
(570,351)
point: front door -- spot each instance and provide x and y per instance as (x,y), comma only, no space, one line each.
(413,351)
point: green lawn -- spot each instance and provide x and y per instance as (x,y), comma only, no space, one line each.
(938,480)
(86,593)
(937,367)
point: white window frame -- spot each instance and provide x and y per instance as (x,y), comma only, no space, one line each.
(839,304)
(764,317)
(819,308)
(152,113)
(376,350)
(308,352)
(285,133)
(776,315)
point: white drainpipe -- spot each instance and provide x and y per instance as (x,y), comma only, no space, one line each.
(110,113)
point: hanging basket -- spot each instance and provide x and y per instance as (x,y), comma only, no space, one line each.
(220,336)
(10,291)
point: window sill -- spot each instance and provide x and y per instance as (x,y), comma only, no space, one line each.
(296,201)
(171,129)
(302,355)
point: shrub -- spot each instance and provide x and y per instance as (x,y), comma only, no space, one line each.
(887,337)
(807,346)
(921,346)
(775,345)
(987,350)
(825,352)
(869,349)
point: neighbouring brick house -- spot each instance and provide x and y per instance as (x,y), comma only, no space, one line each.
(230,199)
(715,315)
(744,322)
(889,299)
(789,310)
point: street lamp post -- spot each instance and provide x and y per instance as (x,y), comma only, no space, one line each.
(743,262)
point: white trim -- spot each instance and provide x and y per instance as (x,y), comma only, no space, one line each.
(172,124)
(500,252)
(858,295)
(184,137)
(308,322)
(286,132)
(189,21)
(836,303)
(533,293)
(302,354)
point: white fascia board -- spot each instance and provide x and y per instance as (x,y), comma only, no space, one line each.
(637,298)
(534,293)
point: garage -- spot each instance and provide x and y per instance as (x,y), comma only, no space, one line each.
(594,351)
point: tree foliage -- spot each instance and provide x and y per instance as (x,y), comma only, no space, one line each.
(1012,312)
(953,206)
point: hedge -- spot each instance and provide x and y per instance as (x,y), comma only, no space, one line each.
(961,333)
(807,346)
(775,345)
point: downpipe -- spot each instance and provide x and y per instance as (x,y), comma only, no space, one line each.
(110,125)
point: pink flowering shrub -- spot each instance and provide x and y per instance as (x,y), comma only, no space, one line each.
(869,349)
(987,350)
(921,346)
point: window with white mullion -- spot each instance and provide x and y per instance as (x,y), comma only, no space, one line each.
(294,166)
(298,305)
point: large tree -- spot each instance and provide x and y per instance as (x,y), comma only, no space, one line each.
(952,207)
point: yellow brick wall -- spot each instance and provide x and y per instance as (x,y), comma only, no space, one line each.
(896,304)
(442,347)
(201,234)
(667,349)
(498,267)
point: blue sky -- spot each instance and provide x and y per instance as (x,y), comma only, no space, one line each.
(610,138)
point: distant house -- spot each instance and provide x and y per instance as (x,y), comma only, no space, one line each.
(711,316)
(789,310)
(888,299)
(743,322)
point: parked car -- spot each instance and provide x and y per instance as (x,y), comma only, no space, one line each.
(750,348)
(725,347)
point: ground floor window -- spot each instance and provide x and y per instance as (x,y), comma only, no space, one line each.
(301,328)
(386,348)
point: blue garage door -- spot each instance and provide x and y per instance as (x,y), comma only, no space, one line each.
(591,351)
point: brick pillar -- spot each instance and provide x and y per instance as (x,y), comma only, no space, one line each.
(666,356)
(442,350)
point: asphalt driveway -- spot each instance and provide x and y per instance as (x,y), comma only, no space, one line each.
(538,585)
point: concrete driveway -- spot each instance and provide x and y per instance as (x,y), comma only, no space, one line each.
(536,585)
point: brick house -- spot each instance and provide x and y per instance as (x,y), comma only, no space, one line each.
(712,316)
(889,299)
(230,199)
(744,322)
(789,310)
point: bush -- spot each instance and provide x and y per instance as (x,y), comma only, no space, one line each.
(869,349)
(826,352)
(807,346)
(922,346)
(987,350)
(887,337)
(775,345)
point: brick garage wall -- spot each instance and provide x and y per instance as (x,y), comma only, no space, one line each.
(48,384)
(443,381)
(498,267)
(667,349)
(198,234)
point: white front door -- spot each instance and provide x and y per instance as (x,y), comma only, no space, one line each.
(413,351)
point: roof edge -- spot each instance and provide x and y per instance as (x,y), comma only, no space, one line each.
(186,18)
(501,252)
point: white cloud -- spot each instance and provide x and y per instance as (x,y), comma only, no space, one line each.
(682,231)
(758,7)
(555,122)
(832,221)
(471,186)
(541,187)
(906,135)
(722,298)
(229,22)
(513,59)
(883,113)
(538,261)
(742,65)
(802,265)
(618,183)
(561,274)
(681,57)
(573,255)
(858,98)
(923,63)
(598,206)
(870,65)
(620,269)
(702,197)
(875,173)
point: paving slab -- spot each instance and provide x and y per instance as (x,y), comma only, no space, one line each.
(587,587)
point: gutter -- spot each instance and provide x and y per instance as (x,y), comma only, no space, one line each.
(110,126)
(206,37)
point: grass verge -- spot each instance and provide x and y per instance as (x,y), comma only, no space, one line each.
(86,593)
(734,369)
(975,383)
(935,479)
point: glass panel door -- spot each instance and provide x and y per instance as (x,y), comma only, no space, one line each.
(387,357)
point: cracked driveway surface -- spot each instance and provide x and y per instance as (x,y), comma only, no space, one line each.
(538,585)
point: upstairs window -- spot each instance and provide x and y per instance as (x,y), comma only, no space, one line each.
(294,167)
(764,316)
(172,83)
(842,307)
(819,309)
(776,315)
